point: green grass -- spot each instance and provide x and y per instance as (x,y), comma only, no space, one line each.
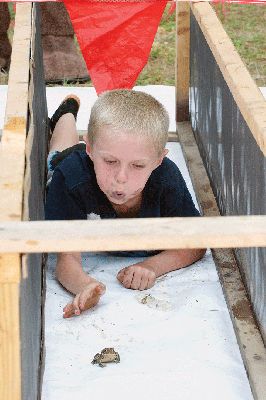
(244,24)
(160,68)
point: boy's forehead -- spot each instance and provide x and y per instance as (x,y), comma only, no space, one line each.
(112,137)
(109,141)
(137,157)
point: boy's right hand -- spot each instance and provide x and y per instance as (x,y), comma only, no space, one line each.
(85,299)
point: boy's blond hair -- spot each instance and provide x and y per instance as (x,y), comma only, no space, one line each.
(132,111)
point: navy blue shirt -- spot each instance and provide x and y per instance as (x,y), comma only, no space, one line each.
(74,194)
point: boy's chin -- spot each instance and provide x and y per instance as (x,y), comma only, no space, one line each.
(118,202)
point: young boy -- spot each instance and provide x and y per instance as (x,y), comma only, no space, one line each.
(121,172)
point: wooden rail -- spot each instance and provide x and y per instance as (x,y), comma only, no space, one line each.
(132,234)
(12,165)
(182,60)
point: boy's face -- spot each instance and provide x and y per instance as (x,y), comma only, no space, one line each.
(122,164)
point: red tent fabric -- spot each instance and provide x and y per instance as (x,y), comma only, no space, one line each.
(115,38)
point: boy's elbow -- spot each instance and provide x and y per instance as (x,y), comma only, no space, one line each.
(201,253)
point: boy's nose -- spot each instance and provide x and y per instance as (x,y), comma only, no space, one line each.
(121,176)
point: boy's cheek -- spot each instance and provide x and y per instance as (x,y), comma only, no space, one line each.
(103,179)
(101,169)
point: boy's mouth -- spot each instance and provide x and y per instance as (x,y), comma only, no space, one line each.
(118,195)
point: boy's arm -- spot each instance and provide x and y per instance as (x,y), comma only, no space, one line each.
(170,260)
(86,289)
(143,274)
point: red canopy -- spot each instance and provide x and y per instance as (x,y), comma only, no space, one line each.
(115,38)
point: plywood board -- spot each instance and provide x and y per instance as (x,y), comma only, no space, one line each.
(182,60)
(244,90)
(132,234)
(12,164)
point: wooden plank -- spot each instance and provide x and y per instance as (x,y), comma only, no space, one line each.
(182,60)
(12,164)
(249,338)
(172,136)
(9,271)
(32,295)
(132,234)
(12,150)
(247,95)
(10,373)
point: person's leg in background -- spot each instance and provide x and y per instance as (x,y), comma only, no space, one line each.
(62,59)
(5,46)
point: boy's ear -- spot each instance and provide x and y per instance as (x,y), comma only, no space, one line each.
(88,146)
(165,151)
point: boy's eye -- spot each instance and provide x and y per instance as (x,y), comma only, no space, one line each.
(110,162)
(138,166)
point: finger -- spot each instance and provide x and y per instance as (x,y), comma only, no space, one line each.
(101,289)
(127,278)
(76,304)
(88,300)
(121,274)
(136,281)
(68,311)
(151,282)
(144,283)
(68,307)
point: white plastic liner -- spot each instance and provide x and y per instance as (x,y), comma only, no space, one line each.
(179,345)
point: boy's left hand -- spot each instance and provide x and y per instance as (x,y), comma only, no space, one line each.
(137,277)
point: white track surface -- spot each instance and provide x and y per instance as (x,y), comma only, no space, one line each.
(180,347)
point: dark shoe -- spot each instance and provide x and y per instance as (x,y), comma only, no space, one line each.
(69,105)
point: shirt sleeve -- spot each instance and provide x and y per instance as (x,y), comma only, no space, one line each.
(177,201)
(188,209)
(60,204)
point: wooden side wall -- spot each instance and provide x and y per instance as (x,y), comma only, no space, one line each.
(22,169)
(32,285)
(228,117)
(12,164)
(182,60)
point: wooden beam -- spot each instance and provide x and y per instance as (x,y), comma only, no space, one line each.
(10,374)
(248,336)
(182,60)
(12,165)
(247,95)
(172,137)
(132,234)
(12,150)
